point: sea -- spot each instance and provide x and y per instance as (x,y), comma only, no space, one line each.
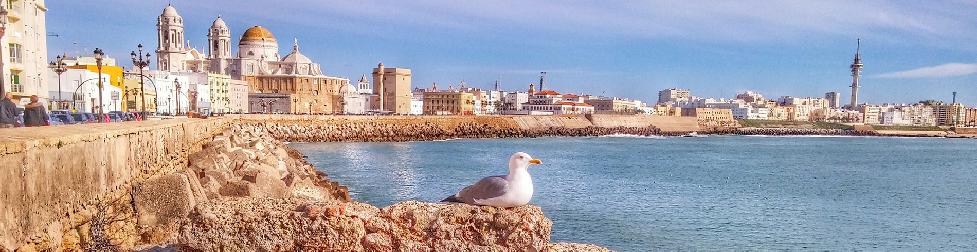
(711,193)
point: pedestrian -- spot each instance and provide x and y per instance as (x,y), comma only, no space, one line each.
(35,115)
(8,111)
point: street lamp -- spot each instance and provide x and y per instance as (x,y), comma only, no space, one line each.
(176,96)
(140,62)
(3,28)
(99,55)
(59,68)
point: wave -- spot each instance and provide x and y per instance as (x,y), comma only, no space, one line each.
(445,140)
(632,136)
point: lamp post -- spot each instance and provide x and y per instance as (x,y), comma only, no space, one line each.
(99,55)
(59,68)
(140,62)
(176,96)
(295,106)
(3,28)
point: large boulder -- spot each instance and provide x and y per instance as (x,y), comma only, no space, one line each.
(160,204)
(276,224)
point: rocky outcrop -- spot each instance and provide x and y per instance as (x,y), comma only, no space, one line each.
(242,162)
(244,189)
(280,225)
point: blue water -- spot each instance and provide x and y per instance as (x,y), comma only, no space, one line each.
(708,193)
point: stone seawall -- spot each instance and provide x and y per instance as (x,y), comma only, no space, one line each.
(52,179)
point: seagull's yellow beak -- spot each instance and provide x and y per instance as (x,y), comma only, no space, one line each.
(535,161)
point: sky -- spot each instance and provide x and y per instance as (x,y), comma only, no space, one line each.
(912,50)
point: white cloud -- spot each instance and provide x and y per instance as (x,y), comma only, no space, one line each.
(713,20)
(939,71)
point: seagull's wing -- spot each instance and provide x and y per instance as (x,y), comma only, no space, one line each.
(488,187)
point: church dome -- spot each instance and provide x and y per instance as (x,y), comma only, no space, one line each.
(219,23)
(169,11)
(257,33)
(296,56)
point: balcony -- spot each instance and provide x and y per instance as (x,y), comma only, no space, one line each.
(15,10)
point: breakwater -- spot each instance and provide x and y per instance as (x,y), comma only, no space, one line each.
(793,132)
(424,128)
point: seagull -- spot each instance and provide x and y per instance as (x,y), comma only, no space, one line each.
(512,190)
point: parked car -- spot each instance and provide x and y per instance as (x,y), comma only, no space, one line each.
(79,118)
(54,120)
(63,119)
(92,118)
(114,117)
(60,112)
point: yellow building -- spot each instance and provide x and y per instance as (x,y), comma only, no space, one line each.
(133,95)
(393,89)
(711,116)
(667,110)
(309,94)
(219,98)
(449,103)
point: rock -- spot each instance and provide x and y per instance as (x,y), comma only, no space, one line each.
(237,189)
(160,203)
(270,186)
(250,224)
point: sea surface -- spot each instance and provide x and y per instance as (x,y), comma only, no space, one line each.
(702,193)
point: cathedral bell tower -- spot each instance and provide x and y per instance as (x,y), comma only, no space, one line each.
(219,40)
(171,50)
(219,47)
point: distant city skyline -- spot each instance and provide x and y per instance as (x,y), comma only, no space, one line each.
(911,51)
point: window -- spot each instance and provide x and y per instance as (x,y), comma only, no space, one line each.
(15,84)
(16,53)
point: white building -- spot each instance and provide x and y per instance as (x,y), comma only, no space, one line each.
(895,117)
(751,113)
(24,49)
(171,92)
(198,88)
(237,95)
(551,102)
(356,98)
(513,101)
(80,87)
(417,104)
(674,95)
(919,115)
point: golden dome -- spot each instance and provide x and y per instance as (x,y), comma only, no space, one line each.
(257,33)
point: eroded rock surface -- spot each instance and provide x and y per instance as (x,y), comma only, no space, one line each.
(276,225)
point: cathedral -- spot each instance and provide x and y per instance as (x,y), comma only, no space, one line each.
(257,62)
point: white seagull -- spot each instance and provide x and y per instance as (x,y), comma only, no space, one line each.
(512,190)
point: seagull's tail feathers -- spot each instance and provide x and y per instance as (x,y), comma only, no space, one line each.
(452,198)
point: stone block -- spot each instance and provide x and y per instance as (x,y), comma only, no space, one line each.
(160,203)
(237,189)
(271,186)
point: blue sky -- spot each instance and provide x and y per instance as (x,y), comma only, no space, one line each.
(912,50)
